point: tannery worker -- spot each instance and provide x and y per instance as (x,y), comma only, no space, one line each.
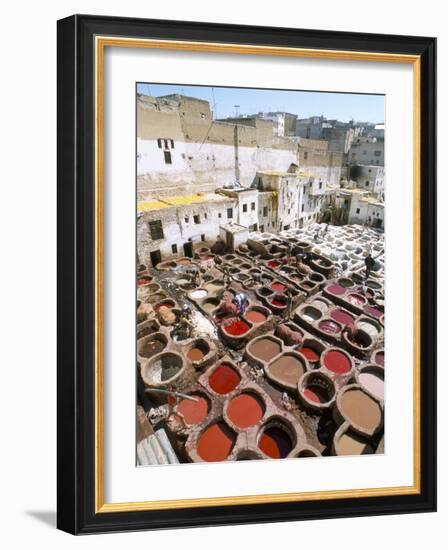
(241,300)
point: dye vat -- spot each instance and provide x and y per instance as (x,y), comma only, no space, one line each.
(329,327)
(224,379)
(317,388)
(361,410)
(356,300)
(278,287)
(152,345)
(198,294)
(310,354)
(273,264)
(255,316)
(216,442)
(245,410)
(166,303)
(264,349)
(193,412)
(378,358)
(336,361)
(287,369)
(350,443)
(341,316)
(278,301)
(371,378)
(210,304)
(199,350)
(236,327)
(311,314)
(162,369)
(374,312)
(143,281)
(335,289)
(275,442)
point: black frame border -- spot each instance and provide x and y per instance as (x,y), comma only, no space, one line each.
(76,263)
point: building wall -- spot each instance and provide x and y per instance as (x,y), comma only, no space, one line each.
(367,152)
(316,159)
(370,178)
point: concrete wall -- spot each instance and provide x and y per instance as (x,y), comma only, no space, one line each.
(367,152)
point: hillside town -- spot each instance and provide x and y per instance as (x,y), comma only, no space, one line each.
(260,273)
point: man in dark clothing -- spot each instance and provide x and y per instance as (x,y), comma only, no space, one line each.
(369,262)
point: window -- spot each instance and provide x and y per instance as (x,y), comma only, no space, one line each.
(262,228)
(308,132)
(156,230)
(289,211)
(165,142)
(159,143)
(377,153)
(229,212)
(172,143)
(196,219)
(245,207)
(202,237)
(252,206)
(167,156)
(205,215)
(174,248)
(303,208)
(265,211)
(367,183)
(187,219)
(357,210)
(219,215)
(320,185)
(305,155)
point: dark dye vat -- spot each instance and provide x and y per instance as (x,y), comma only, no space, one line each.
(224,379)
(152,347)
(236,327)
(278,302)
(275,442)
(216,442)
(329,327)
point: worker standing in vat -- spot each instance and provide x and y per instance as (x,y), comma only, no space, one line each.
(241,301)
(185,321)
(289,297)
(227,276)
(369,262)
(351,331)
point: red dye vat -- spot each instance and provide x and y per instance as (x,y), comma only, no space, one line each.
(193,412)
(236,327)
(310,354)
(337,362)
(224,379)
(379,358)
(277,303)
(356,299)
(275,443)
(330,327)
(273,264)
(335,289)
(141,282)
(278,287)
(374,311)
(315,394)
(216,443)
(245,410)
(255,316)
(341,316)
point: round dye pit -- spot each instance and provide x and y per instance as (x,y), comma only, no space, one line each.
(143,281)
(236,327)
(265,291)
(264,349)
(311,314)
(374,312)
(278,301)
(193,412)
(210,304)
(308,453)
(224,379)
(166,303)
(255,316)
(360,409)
(372,380)
(198,294)
(379,358)
(350,443)
(287,369)
(216,442)
(335,289)
(337,362)
(273,264)
(369,326)
(198,351)
(310,354)
(275,442)
(278,287)
(346,283)
(342,316)
(361,339)
(329,327)
(356,299)
(318,389)
(245,410)
(152,345)
(162,368)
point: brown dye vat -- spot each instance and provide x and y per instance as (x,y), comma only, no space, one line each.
(350,443)
(216,442)
(307,453)
(245,410)
(265,349)
(287,369)
(183,261)
(143,281)
(275,442)
(154,298)
(152,347)
(255,316)
(168,304)
(196,354)
(224,379)
(360,409)
(193,412)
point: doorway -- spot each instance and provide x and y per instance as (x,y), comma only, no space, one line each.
(156,257)
(188,249)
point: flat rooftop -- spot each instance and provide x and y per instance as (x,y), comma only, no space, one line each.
(179,200)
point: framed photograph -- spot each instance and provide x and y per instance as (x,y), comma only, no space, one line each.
(246,274)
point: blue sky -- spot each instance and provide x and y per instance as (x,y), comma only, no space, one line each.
(344,107)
